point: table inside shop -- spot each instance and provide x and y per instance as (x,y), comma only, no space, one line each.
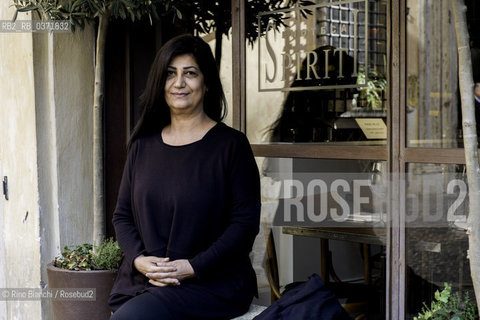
(363,233)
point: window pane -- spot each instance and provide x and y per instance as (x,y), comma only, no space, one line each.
(433,111)
(320,76)
(295,195)
(436,239)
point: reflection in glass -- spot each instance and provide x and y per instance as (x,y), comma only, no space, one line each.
(436,240)
(433,112)
(314,78)
(357,261)
(310,115)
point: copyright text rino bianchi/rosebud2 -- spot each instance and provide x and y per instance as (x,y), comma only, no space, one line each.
(19,294)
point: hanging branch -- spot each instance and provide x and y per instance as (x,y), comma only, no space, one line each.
(470,141)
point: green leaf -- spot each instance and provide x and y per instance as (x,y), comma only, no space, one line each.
(28,8)
(95,6)
(128,3)
(154,13)
(132,14)
(123,15)
(77,4)
(179,14)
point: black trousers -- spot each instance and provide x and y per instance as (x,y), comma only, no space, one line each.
(145,306)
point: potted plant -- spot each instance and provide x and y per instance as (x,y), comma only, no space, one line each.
(449,306)
(82,279)
(371,95)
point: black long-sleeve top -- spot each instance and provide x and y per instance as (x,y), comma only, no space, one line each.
(200,202)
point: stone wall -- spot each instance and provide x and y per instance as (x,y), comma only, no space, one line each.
(45,151)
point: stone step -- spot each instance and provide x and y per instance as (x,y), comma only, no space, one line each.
(254,311)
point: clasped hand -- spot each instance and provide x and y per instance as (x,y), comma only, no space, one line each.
(162,272)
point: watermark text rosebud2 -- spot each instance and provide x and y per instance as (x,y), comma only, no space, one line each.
(313,198)
(320,194)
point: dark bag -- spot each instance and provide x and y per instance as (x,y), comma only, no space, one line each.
(308,300)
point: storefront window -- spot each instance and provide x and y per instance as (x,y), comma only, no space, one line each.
(437,243)
(328,217)
(316,88)
(433,111)
(320,75)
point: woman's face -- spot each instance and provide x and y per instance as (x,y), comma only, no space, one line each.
(185,86)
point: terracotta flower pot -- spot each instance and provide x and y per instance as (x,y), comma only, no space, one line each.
(78,308)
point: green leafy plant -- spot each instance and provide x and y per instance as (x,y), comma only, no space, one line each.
(107,256)
(373,91)
(82,257)
(449,306)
